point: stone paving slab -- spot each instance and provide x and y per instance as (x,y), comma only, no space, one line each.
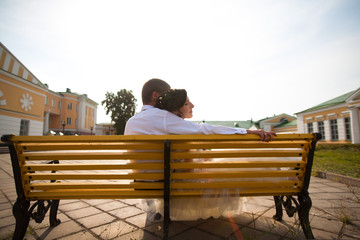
(335,215)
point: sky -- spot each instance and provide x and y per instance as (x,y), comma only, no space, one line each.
(238,60)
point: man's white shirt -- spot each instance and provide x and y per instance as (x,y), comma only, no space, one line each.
(155,121)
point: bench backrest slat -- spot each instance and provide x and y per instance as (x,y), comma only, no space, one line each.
(160,138)
(160,166)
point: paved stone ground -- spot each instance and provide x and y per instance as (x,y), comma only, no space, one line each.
(335,215)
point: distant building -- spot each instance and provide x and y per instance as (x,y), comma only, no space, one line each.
(338,119)
(105,129)
(29,107)
(286,127)
(278,123)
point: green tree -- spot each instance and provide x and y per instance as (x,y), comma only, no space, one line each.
(121,106)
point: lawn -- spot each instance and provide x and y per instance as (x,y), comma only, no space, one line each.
(342,159)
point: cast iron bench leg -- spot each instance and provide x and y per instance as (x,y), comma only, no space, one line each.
(22,217)
(53,213)
(278,205)
(304,209)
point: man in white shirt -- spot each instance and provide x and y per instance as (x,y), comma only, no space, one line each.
(154,121)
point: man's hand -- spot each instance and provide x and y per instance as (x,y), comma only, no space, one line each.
(264,136)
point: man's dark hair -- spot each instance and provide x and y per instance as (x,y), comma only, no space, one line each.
(152,85)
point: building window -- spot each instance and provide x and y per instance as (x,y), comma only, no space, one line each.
(310,127)
(321,129)
(53,102)
(24,127)
(68,121)
(69,106)
(77,107)
(347,129)
(59,104)
(334,129)
(46,100)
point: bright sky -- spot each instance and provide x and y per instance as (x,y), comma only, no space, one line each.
(238,60)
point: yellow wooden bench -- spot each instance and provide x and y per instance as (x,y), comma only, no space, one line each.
(50,168)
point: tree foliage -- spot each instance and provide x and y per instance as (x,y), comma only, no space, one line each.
(121,106)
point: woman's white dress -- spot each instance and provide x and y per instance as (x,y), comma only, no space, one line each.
(187,209)
(220,204)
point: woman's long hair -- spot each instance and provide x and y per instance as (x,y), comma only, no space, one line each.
(172,100)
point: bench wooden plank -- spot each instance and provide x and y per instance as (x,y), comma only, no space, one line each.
(237,174)
(160,185)
(239,164)
(238,193)
(153,166)
(89,155)
(83,176)
(84,166)
(93,155)
(239,144)
(91,146)
(96,194)
(146,194)
(155,176)
(128,138)
(158,146)
(237,154)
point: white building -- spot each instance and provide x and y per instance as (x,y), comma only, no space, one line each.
(338,119)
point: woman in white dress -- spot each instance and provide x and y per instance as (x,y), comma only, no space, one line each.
(177,102)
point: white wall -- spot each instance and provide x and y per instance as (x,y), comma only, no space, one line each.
(300,124)
(11,125)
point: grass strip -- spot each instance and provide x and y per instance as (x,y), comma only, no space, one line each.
(342,159)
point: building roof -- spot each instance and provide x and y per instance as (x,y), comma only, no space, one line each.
(68,91)
(287,124)
(275,116)
(33,80)
(329,103)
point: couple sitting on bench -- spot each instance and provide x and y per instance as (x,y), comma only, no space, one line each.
(163,113)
